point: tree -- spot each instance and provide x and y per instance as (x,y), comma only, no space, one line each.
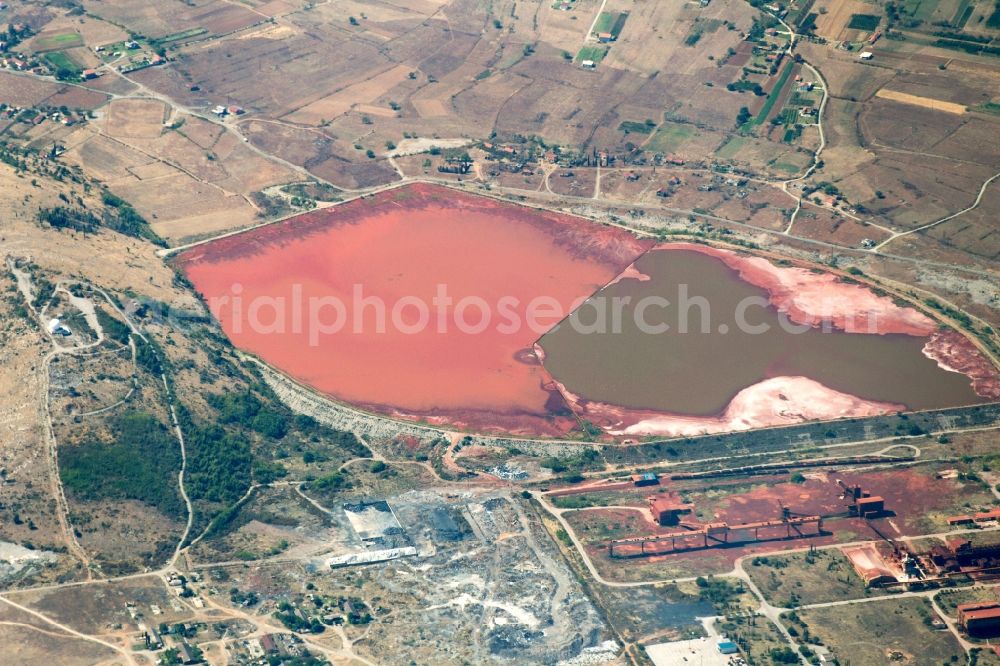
(743,116)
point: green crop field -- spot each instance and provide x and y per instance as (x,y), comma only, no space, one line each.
(669,137)
(65,40)
(633,127)
(963,13)
(864,22)
(789,116)
(604,22)
(178,36)
(595,53)
(989,107)
(994,20)
(772,99)
(60,61)
(920,9)
(619,25)
(731,148)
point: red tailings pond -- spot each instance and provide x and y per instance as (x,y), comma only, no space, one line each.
(429,304)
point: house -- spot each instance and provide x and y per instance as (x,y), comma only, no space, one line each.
(235,110)
(826,200)
(88,74)
(268,644)
(187,654)
(588,64)
(220,110)
(728,647)
(605,37)
(153,640)
(866,55)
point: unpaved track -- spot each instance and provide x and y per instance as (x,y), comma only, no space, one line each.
(70,631)
(975,204)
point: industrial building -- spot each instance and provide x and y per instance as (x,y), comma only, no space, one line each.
(980,619)
(861,503)
(961,555)
(646,479)
(716,535)
(984,517)
(873,568)
(666,510)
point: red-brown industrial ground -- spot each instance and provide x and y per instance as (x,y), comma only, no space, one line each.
(402,244)
(916,502)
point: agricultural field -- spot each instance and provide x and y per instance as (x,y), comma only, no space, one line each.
(669,137)
(56,41)
(594,54)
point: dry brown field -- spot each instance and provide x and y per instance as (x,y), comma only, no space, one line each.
(833,23)
(824,225)
(162,19)
(21,90)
